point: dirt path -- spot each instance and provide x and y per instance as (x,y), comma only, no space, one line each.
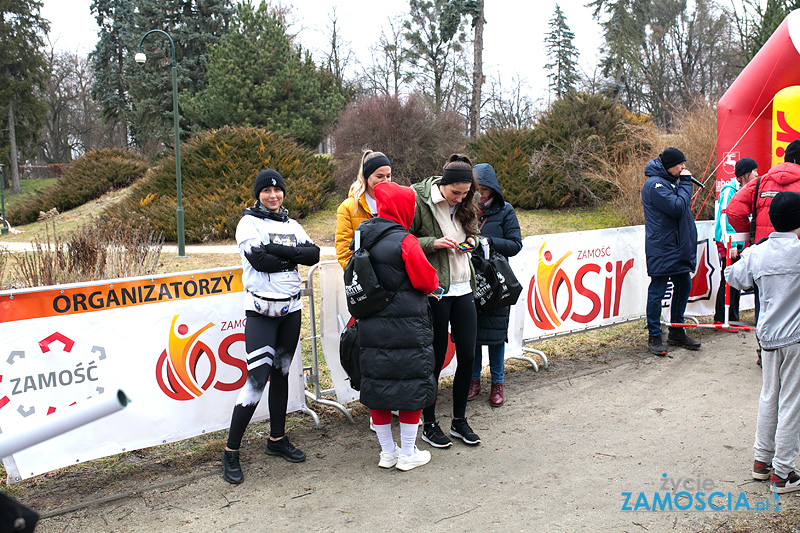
(556,457)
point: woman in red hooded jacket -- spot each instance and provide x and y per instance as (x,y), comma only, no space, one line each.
(396,354)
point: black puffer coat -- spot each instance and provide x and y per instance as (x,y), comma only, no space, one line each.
(396,344)
(500,226)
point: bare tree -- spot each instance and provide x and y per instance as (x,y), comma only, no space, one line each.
(73,124)
(388,72)
(509,108)
(339,55)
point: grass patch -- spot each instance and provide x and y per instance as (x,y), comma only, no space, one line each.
(30,189)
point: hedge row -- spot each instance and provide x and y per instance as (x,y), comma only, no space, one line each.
(87,178)
(218,169)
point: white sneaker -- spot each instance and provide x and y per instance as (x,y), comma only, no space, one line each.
(419,458)
(389,459)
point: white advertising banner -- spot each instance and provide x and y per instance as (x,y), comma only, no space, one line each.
(587,279)
(173,343)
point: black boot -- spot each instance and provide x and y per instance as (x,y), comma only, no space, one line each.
(656,347)
(678,337)
(231,471)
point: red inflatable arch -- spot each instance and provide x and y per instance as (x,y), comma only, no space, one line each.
(759,114)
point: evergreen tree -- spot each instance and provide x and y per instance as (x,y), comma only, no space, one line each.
(451,19)
(563,55)
(142,95)
(757,22)
(22,72)
(257,78)
(110,87)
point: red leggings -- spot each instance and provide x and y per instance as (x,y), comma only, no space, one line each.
(381,417)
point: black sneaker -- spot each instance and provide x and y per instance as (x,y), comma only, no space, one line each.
(679,338)
(285,449)
(656,347)
(433,435)
(459,428)
(231,471)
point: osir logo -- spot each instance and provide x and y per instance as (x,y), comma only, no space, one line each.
(188,367)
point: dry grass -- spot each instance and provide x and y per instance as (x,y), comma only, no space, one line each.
(695,137)
(91,253)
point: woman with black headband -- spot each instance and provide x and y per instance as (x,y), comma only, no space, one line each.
(446,224)
(360,204)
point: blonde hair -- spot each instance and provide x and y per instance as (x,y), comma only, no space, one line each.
(359,186)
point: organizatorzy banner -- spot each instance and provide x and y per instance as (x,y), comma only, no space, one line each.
(174,344)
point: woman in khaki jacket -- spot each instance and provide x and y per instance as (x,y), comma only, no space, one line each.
(360,204)
(446,224)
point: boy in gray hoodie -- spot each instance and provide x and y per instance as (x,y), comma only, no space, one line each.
(772,266)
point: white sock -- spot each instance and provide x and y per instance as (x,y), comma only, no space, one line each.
(384,433)
(408,437)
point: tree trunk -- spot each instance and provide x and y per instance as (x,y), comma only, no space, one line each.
(477,76)
(12,151)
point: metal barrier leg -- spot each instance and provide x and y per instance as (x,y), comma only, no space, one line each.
(531,360)
(330,403)
(312,414)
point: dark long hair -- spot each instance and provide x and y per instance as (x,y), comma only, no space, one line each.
(467,212)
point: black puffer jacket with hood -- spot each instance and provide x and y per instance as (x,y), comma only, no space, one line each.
(498,224)
(396,355)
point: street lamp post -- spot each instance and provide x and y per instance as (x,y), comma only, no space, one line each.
(4,228)
(140,58)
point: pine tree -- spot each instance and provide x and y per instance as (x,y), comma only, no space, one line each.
(563,55)
(142,95)
(256,77)
(22,71)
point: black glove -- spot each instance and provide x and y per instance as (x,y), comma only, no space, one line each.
(264,261)
(306,254)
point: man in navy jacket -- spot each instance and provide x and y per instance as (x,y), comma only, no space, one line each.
(670,244)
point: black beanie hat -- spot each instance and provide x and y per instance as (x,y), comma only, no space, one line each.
(671,157)
(744,166)
(784,211)
(792,152)
(268,178)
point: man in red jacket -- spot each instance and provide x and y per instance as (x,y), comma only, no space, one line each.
(782,177)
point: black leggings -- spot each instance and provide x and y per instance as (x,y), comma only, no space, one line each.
(270,344)
(459,312)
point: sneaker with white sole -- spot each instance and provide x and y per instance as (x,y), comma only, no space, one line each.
(433,435)
(389,459)
(782,485)
(761,471)
(459,428)
(419,458)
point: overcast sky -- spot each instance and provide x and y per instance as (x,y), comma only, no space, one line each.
(513,34)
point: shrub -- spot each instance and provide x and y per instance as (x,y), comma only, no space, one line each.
(575,141)
(416,141)
(89,177)
(509,153)
(569,158)
(218,169)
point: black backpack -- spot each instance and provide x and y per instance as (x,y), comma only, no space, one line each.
(349,355)
(364,293)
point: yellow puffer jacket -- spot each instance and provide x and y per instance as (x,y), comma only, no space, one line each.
(348,217)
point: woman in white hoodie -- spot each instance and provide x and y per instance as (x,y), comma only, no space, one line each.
(271,245)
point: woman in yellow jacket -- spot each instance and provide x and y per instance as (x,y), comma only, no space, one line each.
(360,204)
